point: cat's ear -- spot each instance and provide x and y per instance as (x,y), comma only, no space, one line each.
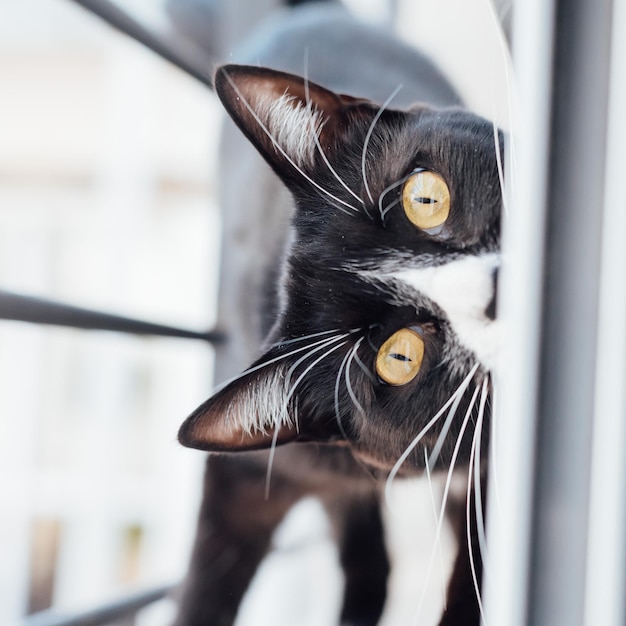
(247,414)
(257,410)
(284,116)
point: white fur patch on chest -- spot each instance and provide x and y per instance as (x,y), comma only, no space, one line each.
(421,558)
(463,289)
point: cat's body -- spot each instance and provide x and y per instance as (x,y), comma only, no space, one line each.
(356,273)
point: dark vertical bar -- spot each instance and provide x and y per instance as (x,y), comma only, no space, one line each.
(570,293)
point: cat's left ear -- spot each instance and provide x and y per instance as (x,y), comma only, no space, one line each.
(257,410)
(285,116)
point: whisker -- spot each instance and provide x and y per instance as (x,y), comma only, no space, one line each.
(347,377)
(369,134)
(386,190)
(364,368)
(367,470)
(280,149)
(507,64)
(270,462)
(308,369)
(337,411)
(315,136)
(434,455)
(390,206)
(270,459)
(336,206)
(321,346)
(496,141)
(480,522)
(493,463)
(473,463)
(373,347)
(277,359)
(250,370)
(444,586)
(396,468)
(279,344)
(444,500)
(468,529)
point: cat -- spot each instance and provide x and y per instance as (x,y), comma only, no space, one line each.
(371,288)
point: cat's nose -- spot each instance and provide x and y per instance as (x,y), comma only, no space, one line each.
(490,311)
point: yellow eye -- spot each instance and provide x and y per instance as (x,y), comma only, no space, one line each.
(426,200)
(400,357)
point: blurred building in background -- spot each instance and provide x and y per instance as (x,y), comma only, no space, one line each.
(105,202)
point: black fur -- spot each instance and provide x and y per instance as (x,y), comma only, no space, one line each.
(339,415)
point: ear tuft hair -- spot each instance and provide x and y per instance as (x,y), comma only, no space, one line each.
(249,413)
(283,115)
(293,125)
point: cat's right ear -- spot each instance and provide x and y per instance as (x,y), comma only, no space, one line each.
(286,117)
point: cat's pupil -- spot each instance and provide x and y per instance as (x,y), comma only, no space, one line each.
(399,357)
(425,200)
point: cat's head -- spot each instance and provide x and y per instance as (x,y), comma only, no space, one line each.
(388,318)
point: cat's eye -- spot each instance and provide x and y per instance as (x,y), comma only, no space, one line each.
(400,358)
(426,200)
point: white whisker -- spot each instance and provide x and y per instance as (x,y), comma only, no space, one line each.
(336,206)
(480,522)
(496,140)
(250,370)
(364,368)
(473,463)
(386,190)
(279,344)
(303,358)
(315,136)
(444,500)
(270,460)
(460,390)
(444,587)
(347,376)
(434,455)
(280,148)
(507,64)
(468,529)
(277,359)
(308,369)
(390,206)
(337,382)
(493,463)
(369,134)
(286,404)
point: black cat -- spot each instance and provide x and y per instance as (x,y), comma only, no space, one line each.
(378,310)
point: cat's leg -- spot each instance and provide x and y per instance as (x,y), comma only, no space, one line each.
(462,607)
(363,558)
(236,524)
